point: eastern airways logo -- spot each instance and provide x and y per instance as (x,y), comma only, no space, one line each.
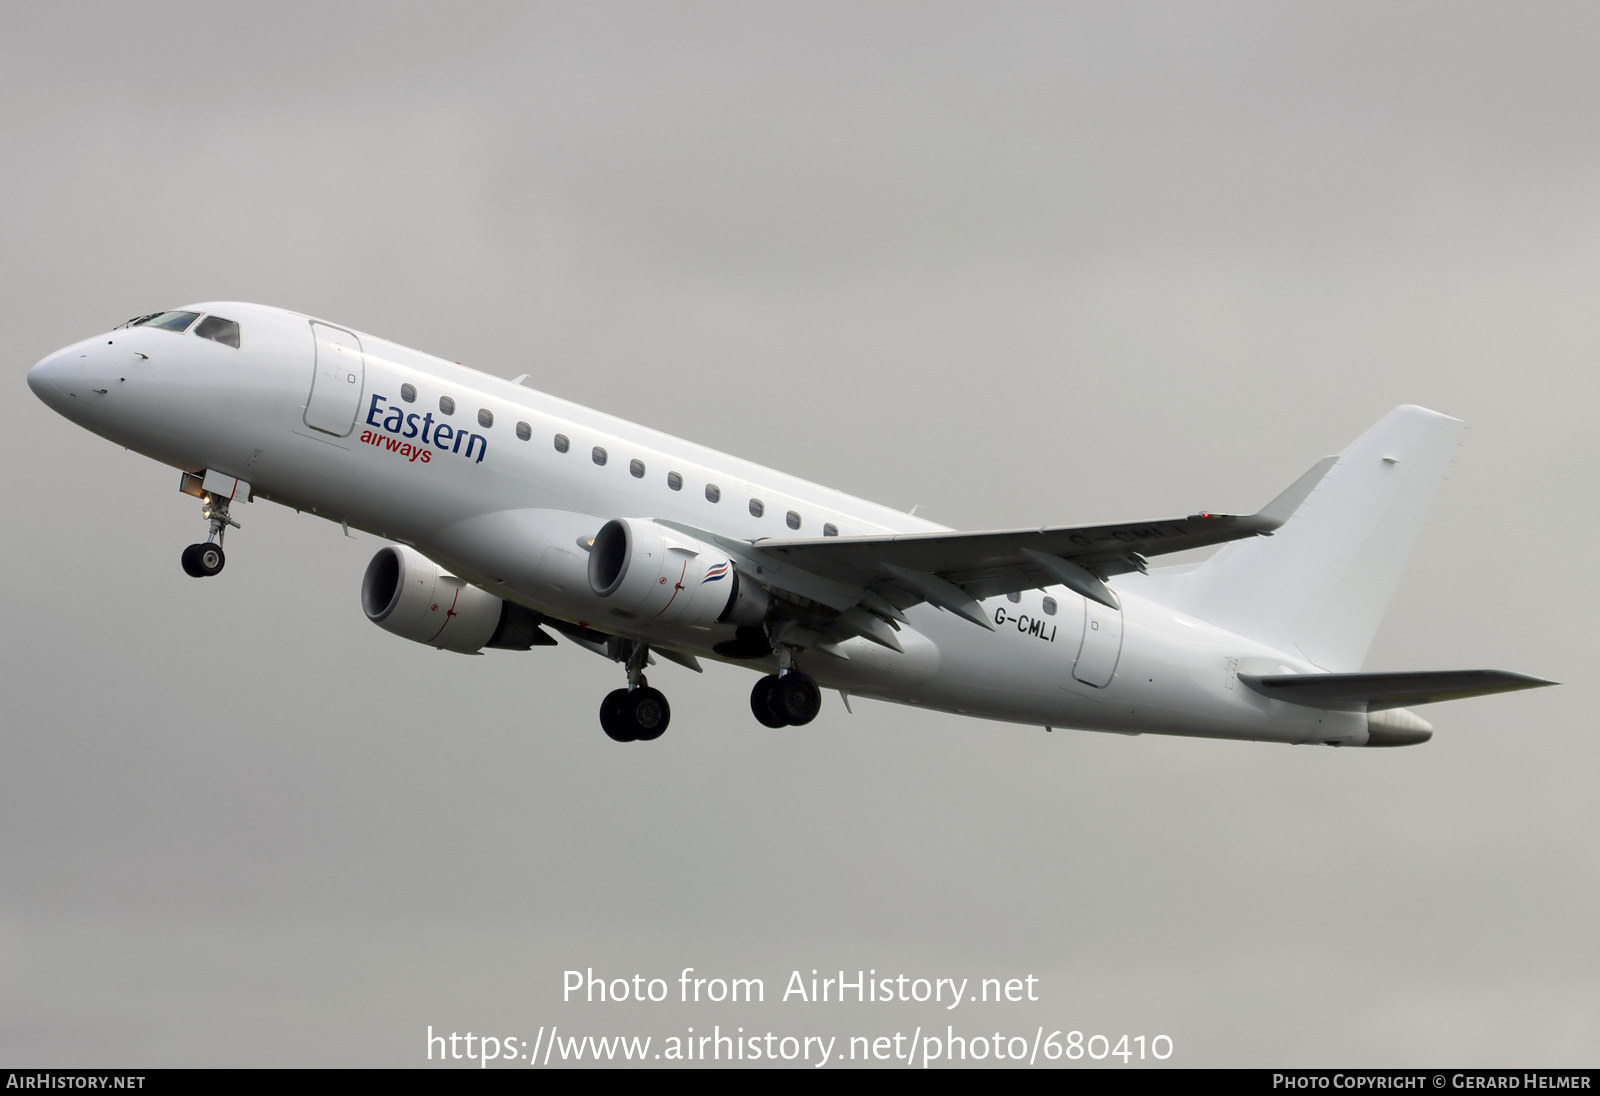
(397,422)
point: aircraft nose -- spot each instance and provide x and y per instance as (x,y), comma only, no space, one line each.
(48,379)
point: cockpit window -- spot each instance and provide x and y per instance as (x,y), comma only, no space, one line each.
(219,330)
(171,321)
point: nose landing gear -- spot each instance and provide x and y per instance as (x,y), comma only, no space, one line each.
(205,560)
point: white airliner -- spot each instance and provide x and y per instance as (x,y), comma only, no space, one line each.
(514,512)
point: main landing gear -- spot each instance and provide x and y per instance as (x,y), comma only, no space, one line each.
(637,713)
(205,560)
(789,699)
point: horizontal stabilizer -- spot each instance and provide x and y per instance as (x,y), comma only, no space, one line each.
(1379,692)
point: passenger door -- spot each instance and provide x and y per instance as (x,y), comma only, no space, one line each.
(336,381)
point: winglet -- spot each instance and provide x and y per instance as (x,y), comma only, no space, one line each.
(1282,508)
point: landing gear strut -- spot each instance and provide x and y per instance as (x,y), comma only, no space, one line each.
(637,713)
(205,560)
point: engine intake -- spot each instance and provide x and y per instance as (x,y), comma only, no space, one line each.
(406,593)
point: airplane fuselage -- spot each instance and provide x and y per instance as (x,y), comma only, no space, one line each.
(506,487)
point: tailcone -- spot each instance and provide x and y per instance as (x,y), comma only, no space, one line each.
(1397,727)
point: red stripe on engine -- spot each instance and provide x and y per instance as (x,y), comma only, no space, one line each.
(450,612)
(676,590)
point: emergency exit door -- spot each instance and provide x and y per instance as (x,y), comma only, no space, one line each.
(1102,644)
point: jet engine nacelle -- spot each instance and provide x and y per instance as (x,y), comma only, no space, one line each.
(653,573)
(406,593)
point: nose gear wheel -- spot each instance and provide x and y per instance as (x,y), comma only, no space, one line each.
(203,560)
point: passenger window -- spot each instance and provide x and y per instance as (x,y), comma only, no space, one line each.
(562,443)
(636,468)
(793,519)
(447,405)
(675,481)
(713,493)
(1013,598)
(524,432)
(485,417)
(756,509)
(599,455)
(408,392)
(219,330)
(829,529)
(1050,606)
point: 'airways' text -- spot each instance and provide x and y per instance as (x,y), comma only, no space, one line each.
(405,449)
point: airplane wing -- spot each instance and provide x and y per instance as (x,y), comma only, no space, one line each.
(868,581)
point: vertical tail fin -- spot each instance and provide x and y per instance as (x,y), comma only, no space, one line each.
(1320,584)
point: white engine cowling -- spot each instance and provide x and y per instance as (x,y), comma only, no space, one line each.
(406,593)
(653,573)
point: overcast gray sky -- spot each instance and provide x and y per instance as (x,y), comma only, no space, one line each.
(1012,263)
